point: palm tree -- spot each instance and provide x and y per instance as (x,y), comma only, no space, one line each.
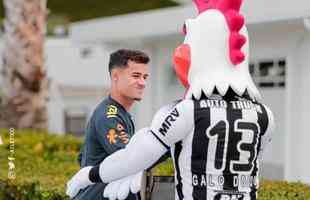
(25,84)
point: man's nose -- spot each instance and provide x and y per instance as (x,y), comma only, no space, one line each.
(141,82)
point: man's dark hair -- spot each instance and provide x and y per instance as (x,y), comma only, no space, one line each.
(121,57)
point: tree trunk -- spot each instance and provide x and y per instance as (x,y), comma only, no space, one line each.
(25,84)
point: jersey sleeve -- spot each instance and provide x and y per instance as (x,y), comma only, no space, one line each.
(172,124)
(111,132)
(267,137)
(142,152)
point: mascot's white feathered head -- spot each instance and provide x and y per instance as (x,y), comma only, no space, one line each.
(215,52)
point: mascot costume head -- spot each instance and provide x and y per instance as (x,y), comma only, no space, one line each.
(215,52)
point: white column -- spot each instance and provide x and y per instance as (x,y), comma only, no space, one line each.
(297,162)
(56,110)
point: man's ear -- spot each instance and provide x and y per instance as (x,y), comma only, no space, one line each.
(114,74)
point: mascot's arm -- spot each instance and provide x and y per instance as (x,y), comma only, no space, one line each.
(169,126)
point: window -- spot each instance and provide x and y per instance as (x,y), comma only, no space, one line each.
(75,122)
(269,73)
(86,52)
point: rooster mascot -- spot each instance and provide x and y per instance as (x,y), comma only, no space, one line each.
(216,134)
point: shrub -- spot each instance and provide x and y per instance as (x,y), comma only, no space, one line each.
(43,164)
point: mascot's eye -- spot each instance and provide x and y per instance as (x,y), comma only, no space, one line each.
(184,30)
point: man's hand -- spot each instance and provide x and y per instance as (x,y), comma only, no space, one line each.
(79,181)
(120,189)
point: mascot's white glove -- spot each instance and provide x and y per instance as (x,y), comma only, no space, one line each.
(120,189)
(78,182)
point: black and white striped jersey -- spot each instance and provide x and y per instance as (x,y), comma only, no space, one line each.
(215,144)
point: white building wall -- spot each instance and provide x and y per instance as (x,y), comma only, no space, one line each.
(274,155)
(275,41)
(289,146)
(297,113)
(68,68)
(84,104)
(66,65)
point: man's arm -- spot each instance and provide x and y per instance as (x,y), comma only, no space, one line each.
(106,132)
(110,132)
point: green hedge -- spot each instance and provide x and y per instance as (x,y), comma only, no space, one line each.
(45,162)
(76,10)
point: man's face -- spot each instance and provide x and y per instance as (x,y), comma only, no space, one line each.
(130,81)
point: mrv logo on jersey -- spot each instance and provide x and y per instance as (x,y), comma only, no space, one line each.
(168,122)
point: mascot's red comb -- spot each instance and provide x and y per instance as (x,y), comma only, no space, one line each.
(231,10)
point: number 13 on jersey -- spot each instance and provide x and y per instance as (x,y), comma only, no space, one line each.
(244,138)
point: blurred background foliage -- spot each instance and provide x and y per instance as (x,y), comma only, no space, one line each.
(44,163)
(62,13)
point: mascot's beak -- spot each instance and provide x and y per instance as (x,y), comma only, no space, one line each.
(182,62)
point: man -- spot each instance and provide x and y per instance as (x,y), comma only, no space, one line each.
(110,126)
(218,132)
